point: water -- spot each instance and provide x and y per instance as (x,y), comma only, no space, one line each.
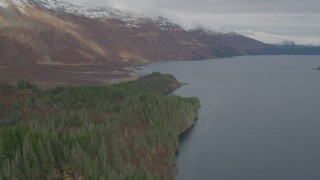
(260,118)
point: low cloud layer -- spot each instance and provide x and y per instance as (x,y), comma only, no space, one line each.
(271,21)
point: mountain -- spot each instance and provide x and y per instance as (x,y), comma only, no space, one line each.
(291,48)
(229,44)
(49,41)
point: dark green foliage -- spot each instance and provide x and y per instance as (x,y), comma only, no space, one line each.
(114,132)
(14,116)
(22,85)
(31,102)
(196,56)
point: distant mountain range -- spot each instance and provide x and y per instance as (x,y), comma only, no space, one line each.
(292,48)
(52,35)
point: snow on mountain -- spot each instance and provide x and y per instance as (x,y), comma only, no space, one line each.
(59,35)
(82,9)
(212,31)
(202,28)
(164,24)
(272,38)
(87,10)
(3,4)
(94,11)
(132,19)
(19,3)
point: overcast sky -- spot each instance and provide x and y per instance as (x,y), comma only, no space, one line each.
(271,21)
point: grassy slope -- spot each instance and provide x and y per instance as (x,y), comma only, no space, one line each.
(124,131)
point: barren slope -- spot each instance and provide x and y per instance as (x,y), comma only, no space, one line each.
(58,45)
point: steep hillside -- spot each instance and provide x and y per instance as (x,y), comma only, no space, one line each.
(229,44)
(48,42)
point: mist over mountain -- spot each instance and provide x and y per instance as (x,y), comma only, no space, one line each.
(271,21)
(49,41)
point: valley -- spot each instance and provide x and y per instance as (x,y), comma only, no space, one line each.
(44,42)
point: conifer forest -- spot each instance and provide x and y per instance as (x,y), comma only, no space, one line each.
(124,131)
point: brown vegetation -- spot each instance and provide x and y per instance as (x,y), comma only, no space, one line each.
(44,47)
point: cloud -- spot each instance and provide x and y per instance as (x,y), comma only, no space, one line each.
(276,38)
(294,19)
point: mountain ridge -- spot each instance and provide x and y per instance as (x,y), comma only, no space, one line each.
(52,42)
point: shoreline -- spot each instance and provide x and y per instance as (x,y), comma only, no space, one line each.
(135,112)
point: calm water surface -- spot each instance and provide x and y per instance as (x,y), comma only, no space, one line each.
(260,118)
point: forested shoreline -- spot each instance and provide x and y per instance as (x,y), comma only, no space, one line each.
(123,131)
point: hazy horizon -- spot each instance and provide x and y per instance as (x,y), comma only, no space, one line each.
(268,21)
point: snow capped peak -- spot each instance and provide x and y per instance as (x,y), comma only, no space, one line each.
(84,9)
(204,29)
(96,11)
(7,3)
(201,27)
(80,8)
(2,4)
(88,10)
(165,24)
(20,4)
